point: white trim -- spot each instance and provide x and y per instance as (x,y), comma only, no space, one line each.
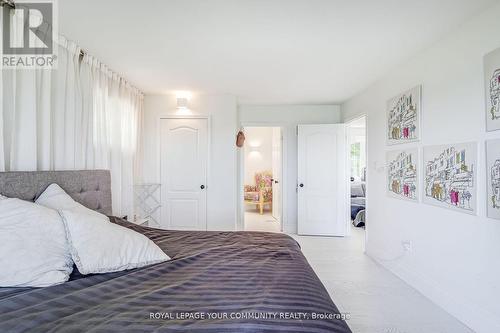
(355,118)
(209,153)
(347,122)
(240,223)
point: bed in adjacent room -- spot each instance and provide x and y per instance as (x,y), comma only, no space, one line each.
(214,282)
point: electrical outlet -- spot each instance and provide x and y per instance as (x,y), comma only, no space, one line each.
(406,245)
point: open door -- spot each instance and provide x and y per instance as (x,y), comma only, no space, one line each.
(321,183)
(276,168)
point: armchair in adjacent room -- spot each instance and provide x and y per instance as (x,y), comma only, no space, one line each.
(261,193)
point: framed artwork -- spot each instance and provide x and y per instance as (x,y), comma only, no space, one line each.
(402,174)
(450,176)
(403,117)
(493,178)
(492,87)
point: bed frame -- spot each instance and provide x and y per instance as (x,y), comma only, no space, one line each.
(91,188)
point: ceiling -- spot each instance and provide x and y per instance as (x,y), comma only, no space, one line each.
(262,51)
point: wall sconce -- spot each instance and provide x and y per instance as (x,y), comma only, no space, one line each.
(183,101)
(254,144)
(254,149)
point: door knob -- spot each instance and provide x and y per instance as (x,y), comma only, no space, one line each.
(276,182)
(202,187)
(301,185)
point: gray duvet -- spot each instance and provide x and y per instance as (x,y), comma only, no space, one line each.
(216,282)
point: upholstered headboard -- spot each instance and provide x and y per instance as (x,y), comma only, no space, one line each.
(91,188)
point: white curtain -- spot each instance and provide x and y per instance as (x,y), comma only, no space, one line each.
(80,116)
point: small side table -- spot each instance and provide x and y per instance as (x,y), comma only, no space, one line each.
(142,222)
(147,202)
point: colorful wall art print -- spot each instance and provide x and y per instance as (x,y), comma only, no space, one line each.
(493,178)
(492,87)
(403,117)
(402,174)
(450,176)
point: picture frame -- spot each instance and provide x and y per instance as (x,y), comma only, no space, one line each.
(402,176)
(492,148)
(492,89)
(403,117)
(450,176)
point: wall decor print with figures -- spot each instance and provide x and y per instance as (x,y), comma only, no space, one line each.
(493,178)
(402,174)
(492,87)
(450,176)
(403,117)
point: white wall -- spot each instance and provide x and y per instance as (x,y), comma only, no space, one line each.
(289,116)
(258,152)
(222,180)
(454,256)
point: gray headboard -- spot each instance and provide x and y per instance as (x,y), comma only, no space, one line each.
(91,188)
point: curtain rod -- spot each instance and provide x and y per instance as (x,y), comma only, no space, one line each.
(9,3)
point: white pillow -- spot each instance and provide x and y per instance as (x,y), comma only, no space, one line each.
(56,198)
(33,247)
(99,247)
(2,197)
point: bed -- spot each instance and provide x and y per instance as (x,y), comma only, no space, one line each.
(358,203)
(216,281)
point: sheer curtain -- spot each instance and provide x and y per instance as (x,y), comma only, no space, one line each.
(80,116)
(118,109)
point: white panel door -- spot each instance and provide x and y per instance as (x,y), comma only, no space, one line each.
(184,153)
(322,185)
(276,169)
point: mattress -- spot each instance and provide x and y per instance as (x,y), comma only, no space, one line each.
(216,282)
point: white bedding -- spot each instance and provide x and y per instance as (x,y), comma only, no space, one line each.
(33,247)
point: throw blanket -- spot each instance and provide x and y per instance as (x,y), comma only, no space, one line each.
(216,282)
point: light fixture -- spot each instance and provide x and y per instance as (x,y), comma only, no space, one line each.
(183,101)
(254,148)
(254,144)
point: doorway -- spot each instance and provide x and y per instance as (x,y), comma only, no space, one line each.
(262,169)
(356,145)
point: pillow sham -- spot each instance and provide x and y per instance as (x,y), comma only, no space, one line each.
(56,198)
(98,247)
(33,247)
